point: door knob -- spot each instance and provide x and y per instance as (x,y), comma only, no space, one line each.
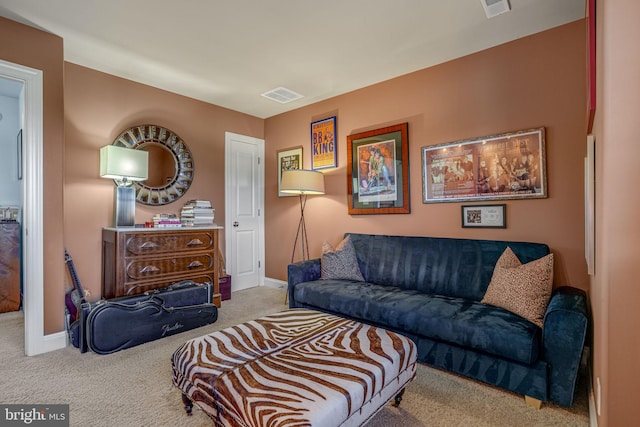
(236,223)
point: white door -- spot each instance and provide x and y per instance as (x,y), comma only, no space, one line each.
(244,204)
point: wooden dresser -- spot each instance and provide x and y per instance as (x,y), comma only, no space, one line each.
(136,260)
(9,267)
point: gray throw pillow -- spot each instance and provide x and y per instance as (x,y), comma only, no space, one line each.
(341,262)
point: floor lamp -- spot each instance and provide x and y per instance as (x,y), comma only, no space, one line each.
(302,182)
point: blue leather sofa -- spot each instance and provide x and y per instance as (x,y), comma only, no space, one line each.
(430,289)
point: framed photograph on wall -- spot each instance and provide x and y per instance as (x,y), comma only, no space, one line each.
(324,150)
(19,148)
(378,171)
(498,167)
(484,216)
(288,159)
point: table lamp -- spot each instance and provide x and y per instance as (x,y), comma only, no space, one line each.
(124,165)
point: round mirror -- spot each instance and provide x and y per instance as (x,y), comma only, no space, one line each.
(170,163)
(162,166)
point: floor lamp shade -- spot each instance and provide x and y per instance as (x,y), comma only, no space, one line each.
(124,165)
(302,181)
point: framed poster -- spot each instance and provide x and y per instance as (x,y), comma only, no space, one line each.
(288,159)
(378,171)
(324,150)
(484,216)
(591,63)
(499,167)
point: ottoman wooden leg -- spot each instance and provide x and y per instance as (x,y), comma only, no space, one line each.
(188,404)
(398,398)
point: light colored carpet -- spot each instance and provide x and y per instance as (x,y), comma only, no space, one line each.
(133,387)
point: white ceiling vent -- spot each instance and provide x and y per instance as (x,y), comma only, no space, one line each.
(495,7)
(282,95)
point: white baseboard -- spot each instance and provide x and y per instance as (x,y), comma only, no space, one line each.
(53,342)
(275,283)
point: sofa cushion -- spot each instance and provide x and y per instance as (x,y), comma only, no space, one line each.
(341,262)
(441,266)
(462,322)
(523,289)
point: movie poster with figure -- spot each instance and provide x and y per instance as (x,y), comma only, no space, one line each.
(507,166)
(376,172)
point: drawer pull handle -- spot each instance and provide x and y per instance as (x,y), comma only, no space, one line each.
(149,269)
(148,245)
(195,242)
(195,264)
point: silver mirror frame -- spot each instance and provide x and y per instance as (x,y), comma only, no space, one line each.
(137,137)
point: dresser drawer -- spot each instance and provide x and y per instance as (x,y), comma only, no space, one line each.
(134,288)
(145,244)
(139,269)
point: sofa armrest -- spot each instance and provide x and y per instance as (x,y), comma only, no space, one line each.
(303,271)
(563,336)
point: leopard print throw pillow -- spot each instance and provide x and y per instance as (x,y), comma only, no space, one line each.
(522,289)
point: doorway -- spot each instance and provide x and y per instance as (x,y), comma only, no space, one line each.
(11,92)
(244,210)
(35,341)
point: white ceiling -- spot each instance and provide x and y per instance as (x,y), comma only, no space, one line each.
(228,52)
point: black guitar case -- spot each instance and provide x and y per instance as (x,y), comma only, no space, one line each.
(107,326)
(113,326)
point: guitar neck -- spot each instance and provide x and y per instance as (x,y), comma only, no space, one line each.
(74,274)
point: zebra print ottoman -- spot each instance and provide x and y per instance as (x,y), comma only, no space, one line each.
(295,368)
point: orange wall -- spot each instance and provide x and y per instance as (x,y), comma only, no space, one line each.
(43,51)
(615,287)
(98,107)
(532,82)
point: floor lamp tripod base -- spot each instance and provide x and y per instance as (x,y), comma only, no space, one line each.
(301,235)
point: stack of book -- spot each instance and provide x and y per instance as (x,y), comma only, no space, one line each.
(197,213)
(166,220)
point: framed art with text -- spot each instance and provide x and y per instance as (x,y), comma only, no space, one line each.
(378,171)
(484,216)
(499,167)
(324,152)
(288,159)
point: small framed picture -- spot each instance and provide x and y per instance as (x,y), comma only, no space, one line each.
(288,159)
(484,216)
(19,147)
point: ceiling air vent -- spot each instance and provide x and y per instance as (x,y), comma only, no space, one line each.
(282,95)
(495,7)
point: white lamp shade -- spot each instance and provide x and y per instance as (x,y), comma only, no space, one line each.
(119,163)
(302,181)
